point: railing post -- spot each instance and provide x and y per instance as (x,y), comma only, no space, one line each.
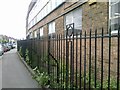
(109,59)
(102,60)
(118,61)
(80,60)
(95,58)
(48,58)
(90,69)
(85,61)
(17,45)
(76,56)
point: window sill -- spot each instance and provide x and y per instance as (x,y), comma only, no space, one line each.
(114,32)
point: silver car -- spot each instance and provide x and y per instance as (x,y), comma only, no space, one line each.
(1,50)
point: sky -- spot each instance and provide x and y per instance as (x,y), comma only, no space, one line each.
(13,18)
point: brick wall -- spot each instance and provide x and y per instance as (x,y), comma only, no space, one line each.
(59,48)
(94,16)
(45,30)
(59,23)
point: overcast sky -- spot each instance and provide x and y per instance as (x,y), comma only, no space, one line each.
(12,17)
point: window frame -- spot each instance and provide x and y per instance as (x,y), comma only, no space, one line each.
(112,18)
(51,27)
(41,31)
(73,18)
(40,14)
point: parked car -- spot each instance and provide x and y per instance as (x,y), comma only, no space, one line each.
(11,45)
(14,45)
(1,50)
(6,47)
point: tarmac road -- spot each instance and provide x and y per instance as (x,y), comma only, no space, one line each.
(14,73)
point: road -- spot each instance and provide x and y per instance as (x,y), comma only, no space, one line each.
(14,73)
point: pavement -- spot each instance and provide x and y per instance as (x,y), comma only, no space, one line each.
(0,72)
(14,72)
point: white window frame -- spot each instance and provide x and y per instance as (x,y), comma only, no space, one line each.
(72,19)
(35,34)
(51,27)
(41,31)
(114,17)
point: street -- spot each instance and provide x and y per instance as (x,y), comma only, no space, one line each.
(14,73)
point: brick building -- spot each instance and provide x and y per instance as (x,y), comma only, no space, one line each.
(49,17)
(46,17)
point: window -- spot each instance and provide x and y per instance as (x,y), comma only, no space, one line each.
(41,10)
(35,34)
(31,36)
(53,4)
(51,27)
(49,6)
(76,18)
(114,15)
(41,31)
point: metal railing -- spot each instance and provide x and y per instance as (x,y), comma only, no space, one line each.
(77,61)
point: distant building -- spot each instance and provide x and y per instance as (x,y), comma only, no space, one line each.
(6,39)
(3,39)
(46,17)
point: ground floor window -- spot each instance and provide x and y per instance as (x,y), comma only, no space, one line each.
(51,29)
(75,17)
(41,31)
(35,34)
(114,15)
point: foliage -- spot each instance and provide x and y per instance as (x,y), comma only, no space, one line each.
(20,51)
(28,61)
(4,41)
(41,78)
(113,82)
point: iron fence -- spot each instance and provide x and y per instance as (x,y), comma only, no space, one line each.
(76,61)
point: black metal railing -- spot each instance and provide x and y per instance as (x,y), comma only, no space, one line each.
(78,61)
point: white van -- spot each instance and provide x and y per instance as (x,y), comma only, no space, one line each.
(1,50)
